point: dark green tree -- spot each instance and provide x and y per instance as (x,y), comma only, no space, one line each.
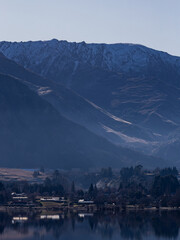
(73,187)
(165,185)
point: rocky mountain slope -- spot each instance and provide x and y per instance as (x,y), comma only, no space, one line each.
(131,82)
(33,133)
(78,109)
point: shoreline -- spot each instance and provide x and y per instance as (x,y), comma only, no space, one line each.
(85,209)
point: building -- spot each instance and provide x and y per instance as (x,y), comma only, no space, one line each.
(82,201)
(53,199)
(19,198)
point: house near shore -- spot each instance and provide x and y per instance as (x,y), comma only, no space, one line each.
(53,199)
(82,201)
(49,199)
(19,198)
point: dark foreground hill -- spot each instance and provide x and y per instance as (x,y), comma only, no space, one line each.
(79,109)
(33,133)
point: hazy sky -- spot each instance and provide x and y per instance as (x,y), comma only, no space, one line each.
(154,23)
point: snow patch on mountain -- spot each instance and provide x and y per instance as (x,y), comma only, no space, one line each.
(125,137)
(109,114)
(44,90)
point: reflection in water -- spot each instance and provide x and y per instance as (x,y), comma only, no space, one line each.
(127,225)
(19,219)
(53,217)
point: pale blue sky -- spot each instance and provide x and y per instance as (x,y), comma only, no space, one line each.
(154,23)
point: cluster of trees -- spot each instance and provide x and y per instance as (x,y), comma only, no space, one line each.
(56,185)
(165,185)
(106,172)
(168,171)
(136,186)
(128,172)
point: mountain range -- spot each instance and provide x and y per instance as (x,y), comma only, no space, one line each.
(33,133)
(124,94)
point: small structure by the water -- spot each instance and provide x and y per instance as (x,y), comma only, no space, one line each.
(53,199)
(83,215)
(49,199)
(19,198)
(82,201)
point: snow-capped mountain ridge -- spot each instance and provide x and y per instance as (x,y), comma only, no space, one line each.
(119,57)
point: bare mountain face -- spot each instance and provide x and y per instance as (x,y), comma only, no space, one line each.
(78,109)
(33,133)
(136,87)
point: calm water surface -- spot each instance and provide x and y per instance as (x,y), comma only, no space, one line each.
(133,225)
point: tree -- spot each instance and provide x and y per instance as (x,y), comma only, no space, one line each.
(47,182)
(106,172)
(56,174)
(95,192)
(169,171)
(138,170)
(165,185)
(126,173)
(80,193)
(91,189)
(1,186)
(120,187)
(73,187)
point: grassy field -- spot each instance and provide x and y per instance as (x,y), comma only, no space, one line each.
(13,174)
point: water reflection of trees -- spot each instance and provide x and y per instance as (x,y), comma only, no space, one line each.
(128,225)
(4,221)
(105,226)
(133,225)
(166,225)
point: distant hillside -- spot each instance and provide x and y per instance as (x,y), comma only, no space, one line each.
(134,83)
(33,133)
(78,109)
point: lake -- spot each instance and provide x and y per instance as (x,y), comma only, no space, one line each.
(65,226)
